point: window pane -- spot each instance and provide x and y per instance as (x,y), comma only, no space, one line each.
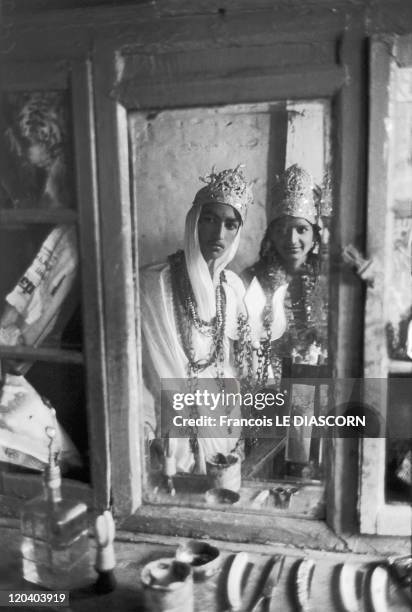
(171,150)
(399,292)
(40,303)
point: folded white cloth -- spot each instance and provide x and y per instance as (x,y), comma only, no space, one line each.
(23,421)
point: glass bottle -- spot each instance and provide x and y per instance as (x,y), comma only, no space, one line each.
(55,544)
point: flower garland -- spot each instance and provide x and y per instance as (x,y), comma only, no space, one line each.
(187,317)
(304,308)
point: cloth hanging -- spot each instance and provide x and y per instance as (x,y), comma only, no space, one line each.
(35,302)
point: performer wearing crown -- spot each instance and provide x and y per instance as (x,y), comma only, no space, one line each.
(289,265)
(190,307)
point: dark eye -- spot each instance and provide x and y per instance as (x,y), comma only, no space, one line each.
(207,218)
(231,225)
(302,229)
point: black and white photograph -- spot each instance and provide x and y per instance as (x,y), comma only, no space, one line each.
(206,305)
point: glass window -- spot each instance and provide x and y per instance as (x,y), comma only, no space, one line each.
(170,151)
(41,337)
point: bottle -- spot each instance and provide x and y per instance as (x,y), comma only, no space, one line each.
(55,544)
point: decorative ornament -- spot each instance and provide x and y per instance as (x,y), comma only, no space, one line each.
(42,120)
(226,187)
(304,310)
(294,195)
(187,318)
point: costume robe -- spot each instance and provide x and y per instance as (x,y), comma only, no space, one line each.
(164,358)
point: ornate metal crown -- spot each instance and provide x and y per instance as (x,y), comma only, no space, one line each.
(294,195)
(226,187)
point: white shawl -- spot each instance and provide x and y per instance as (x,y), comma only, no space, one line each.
(163,354)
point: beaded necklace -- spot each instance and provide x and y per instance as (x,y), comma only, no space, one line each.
(187,318)
(252,380)
(271,275)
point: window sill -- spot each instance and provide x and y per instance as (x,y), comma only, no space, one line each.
(155,521)
(306,501)
(233,526)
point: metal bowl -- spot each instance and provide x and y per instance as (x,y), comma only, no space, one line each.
(203,557)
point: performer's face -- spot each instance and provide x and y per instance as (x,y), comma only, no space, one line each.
(293,238)
(217,227)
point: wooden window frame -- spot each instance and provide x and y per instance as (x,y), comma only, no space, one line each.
(73,76)
(102,161)
(115,96)
(376,515)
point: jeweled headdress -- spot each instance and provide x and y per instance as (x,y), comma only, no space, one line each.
(226,187)
(295,195)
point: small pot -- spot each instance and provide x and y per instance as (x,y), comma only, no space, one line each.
(168,586)
(224,472)
(203,557)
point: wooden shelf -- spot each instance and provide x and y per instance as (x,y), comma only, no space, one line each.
(190,493)
(26,216)
(54,355)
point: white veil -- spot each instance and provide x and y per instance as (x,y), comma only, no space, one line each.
(203,284)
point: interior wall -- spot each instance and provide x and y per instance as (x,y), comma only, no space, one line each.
(172,149)
(324,36)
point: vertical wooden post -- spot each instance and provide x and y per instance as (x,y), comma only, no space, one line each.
(118,277)
(91,270)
